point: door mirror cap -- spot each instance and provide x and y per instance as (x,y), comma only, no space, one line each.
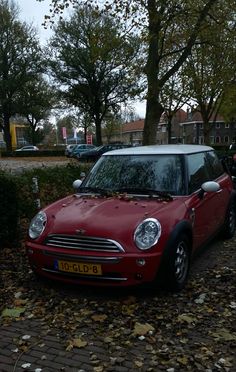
(210,186)
(76,184)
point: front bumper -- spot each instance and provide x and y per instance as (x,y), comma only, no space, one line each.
(117,269)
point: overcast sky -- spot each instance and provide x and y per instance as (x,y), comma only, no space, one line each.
(33,11)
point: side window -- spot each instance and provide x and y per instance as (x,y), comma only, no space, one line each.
(215,167)
(197,171)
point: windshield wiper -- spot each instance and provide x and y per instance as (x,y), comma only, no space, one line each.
(97,190)
(149,192)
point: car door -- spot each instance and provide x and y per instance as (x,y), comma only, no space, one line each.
(218,174)
(201,207)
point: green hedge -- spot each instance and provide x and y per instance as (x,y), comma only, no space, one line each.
(40,153)
(9,210)
(18,202)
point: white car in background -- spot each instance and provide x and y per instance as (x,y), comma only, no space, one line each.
(28,148)
(69,149)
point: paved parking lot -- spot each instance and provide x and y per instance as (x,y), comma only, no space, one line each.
(83,329)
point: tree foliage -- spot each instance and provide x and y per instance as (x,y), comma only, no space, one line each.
(211,67)
(20,61)
(35,102)
(228,107)
(174,94)
(169,29)
(92,63)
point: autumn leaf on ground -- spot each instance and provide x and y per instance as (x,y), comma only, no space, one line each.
(142,329)
(129,309)
(183,360)
(13,313)
(186,318)
(224,334)
(76,342)
(138,363)
(99,317)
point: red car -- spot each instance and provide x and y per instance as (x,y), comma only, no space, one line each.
(137,217)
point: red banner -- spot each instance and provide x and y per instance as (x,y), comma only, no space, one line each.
(64,135)
(89,139)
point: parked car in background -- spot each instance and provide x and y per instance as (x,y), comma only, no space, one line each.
(137,217)
(229,158)
(79,149)
(69,149)
(28,148)
(96,153)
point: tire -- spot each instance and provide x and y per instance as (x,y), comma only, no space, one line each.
(230,221)
(175,266)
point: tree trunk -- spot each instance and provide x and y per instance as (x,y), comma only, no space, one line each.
(153,108)
(85,134)
(153,114)
(6,129)
(206,132)
(98,131)
(169,128)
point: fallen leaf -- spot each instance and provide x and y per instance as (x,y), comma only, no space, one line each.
(142,329)
(26,365)
(183,360)
(186,318)
(14,312)
(99,317)
(26,337)
(138,363)
(78,342)
(224,334)
(98,369)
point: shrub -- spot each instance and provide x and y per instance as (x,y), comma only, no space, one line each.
(17,199)
(9,210)
(54,183)
(30,154)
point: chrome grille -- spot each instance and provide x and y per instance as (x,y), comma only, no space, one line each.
(83,243)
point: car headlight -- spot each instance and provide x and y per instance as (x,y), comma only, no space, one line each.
(37,225)
(147,233)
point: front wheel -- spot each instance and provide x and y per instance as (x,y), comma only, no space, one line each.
(175,266)
(230,221)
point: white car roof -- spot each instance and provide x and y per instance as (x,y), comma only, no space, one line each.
(160,149)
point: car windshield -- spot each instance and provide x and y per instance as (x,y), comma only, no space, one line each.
(138,174)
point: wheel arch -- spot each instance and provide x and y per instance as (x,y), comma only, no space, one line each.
(232,198)
(183,227)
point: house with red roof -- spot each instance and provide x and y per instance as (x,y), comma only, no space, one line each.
(186,127)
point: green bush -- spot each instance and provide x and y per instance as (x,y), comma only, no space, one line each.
(40,153)
(9,210)
(54,183)
(18,202)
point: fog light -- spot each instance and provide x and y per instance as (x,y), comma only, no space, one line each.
(140,262)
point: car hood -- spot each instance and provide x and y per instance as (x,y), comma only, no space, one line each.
(112,217)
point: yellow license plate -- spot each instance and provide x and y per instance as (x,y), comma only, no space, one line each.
(79,268)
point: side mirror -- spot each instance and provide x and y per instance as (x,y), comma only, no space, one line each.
(76,184)
(209,186)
